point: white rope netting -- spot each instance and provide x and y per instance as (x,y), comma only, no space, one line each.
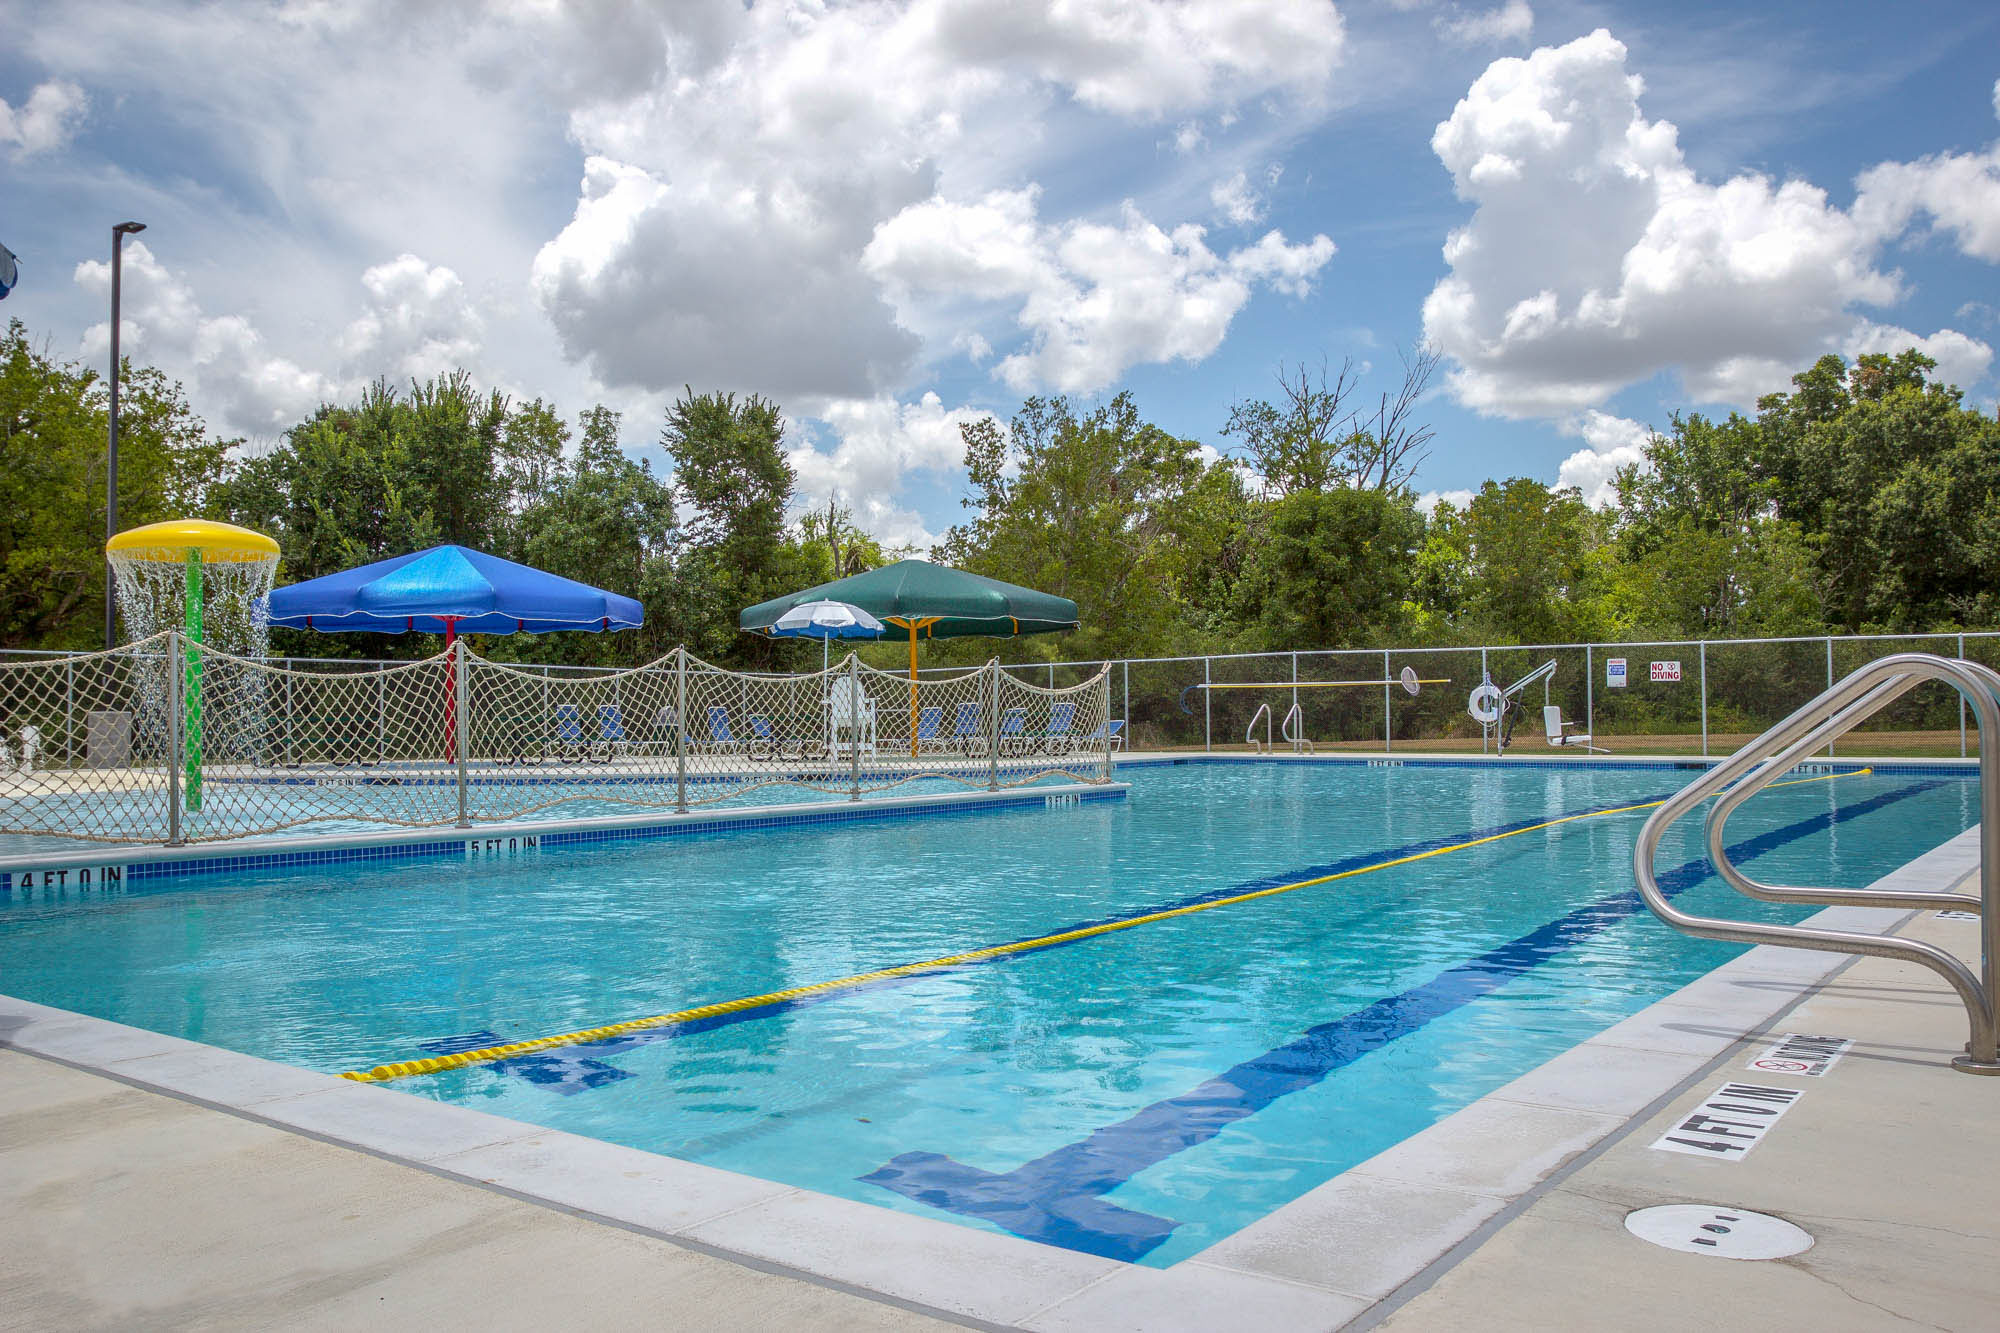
(164,739)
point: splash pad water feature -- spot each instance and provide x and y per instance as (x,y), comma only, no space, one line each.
(207,578)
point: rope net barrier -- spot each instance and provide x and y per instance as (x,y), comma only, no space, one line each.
(164,740)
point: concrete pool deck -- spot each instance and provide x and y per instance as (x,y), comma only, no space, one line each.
(187,1185)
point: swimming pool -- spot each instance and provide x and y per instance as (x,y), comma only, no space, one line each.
(1138,1094)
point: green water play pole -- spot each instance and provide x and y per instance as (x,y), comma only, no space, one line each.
(191,683)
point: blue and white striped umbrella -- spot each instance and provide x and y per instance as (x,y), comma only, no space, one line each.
(825,620)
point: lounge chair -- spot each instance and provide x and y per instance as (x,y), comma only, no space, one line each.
(965,733)
(611,728)
(764,742)
(1560,733)
(1057,737)
(1014,732)
(719,734)
(1111,733)
(930,722)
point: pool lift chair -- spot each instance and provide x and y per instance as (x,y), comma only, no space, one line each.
(1497,710)
(1561,733)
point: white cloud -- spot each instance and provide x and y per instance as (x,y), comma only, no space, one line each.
(420,322)
(244,386)
(1189,136)
(878,443)
(1614,443)
(1595,258)
(1511,22)
(1959,192)
(416,322)
(1961,359)
(44,122)
(1457,499)
(1236,201)
(726,208)
(1095,299)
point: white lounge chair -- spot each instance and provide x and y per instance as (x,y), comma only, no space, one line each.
(850,710)
(1560,733)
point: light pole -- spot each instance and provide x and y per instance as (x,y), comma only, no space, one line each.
(118,235)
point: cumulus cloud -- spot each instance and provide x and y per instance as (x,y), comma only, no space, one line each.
(1958,192)
(419,322)
(1511,22)
(1236,201)
(1961,359)
(1595,258)
(1457,499)
(245,386)
(1614,442)
(416,321)
(878,443)
(46,121)
(720,230)
(1095,299)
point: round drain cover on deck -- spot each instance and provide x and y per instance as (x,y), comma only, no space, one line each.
(1731,1233)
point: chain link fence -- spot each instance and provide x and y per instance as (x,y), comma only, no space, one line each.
(1681,697)
(167,741)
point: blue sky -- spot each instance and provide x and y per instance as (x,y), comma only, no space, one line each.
(895,217)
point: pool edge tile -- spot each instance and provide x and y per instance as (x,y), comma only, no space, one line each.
(932,1262)
(1354,1235)
(630,1186)
(1198,1297)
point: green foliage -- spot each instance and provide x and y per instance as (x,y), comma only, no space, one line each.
(1867,499)
(53,432)
(1329,566)
(731,474)
(1108,510)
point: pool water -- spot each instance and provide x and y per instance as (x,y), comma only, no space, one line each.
(1139,1094)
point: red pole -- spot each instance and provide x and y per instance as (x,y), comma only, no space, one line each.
(450,691)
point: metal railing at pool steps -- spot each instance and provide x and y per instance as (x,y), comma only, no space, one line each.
(1832,714)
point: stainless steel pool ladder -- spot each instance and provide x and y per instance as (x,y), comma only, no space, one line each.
(1293,729)
(1834,713)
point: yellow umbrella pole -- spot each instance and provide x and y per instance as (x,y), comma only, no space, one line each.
(913,626)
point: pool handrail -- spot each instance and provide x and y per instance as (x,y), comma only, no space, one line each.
(1830,715)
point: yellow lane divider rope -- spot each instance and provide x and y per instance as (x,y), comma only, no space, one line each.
(486,1054)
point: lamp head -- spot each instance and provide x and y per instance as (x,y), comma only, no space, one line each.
(127,228)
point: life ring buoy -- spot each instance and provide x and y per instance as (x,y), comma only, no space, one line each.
(1484,704)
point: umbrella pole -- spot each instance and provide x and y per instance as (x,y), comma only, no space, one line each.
(451,693)
(913,691)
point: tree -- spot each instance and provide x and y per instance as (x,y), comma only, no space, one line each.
(1104,508)
(1329,569)
(1313,440)
(731,473)
(603,518)
(53,431)
(1536,562)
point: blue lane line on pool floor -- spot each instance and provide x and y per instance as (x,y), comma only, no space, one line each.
(567,1080)
(1057,1198)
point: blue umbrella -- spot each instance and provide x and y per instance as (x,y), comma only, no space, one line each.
(825,620)
(449,590)
(10,272)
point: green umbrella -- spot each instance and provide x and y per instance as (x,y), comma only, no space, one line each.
(916,600)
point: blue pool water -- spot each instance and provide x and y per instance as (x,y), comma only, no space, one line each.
(1139,1094)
